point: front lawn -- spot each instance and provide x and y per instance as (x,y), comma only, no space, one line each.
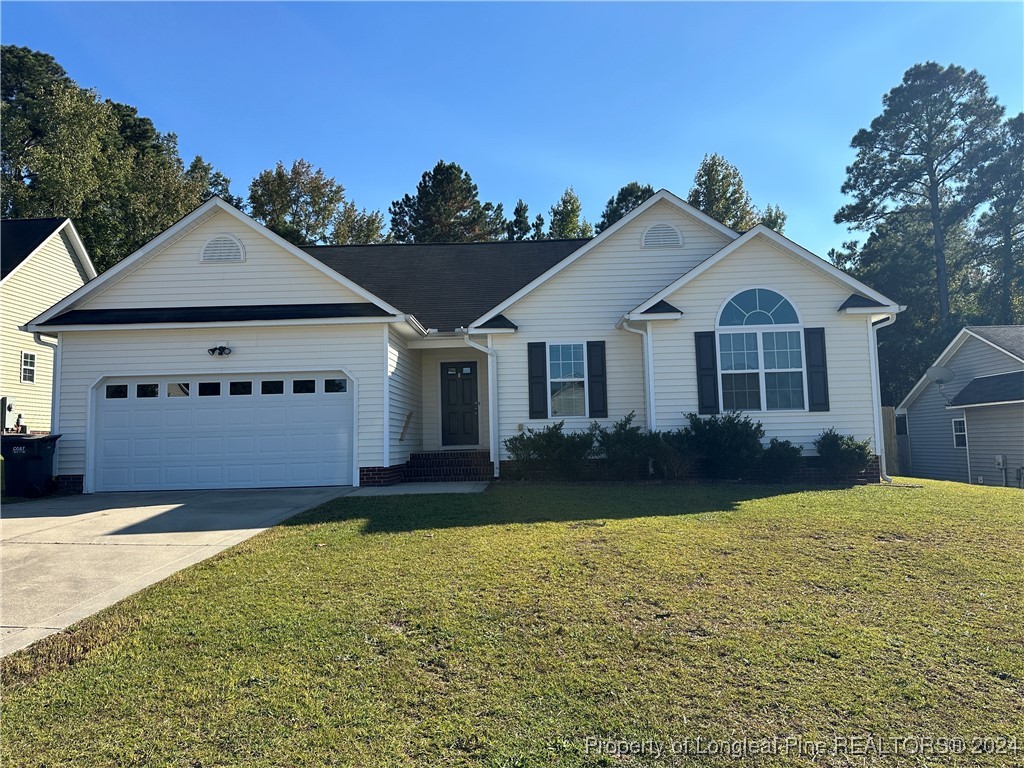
(505,629)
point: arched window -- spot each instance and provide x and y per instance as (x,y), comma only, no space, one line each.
(766,357)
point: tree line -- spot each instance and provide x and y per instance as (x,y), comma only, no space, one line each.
(936,188)
(68,152)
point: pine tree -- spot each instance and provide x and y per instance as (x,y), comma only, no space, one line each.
(446,209)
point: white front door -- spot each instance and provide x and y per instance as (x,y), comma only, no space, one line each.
(226,431)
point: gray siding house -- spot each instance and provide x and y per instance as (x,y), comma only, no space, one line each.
(971,427)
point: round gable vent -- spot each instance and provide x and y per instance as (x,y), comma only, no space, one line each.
(662,236)
(221,249)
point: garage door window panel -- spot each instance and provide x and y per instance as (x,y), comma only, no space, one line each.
(209,389)
(116,391)
(178,389)
(304,387)
(240,388)
(275,387)
(144,391)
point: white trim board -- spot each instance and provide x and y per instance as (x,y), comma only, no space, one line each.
(184,225)
(661,195)
(786,245)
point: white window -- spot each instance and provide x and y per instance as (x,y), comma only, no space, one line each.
(28,368)
(959,433)
(567,380)
(762,365)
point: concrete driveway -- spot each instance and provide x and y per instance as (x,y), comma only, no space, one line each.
(65,558)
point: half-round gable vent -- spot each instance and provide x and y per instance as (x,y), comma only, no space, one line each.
(662,236)
(222,248)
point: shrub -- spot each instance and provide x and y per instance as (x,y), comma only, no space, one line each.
(675,454)
(551,452)
(842,455)
(627,449)
(780,460)
(730,444)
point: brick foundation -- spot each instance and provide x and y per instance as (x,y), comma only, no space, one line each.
(375,476)
(69,483)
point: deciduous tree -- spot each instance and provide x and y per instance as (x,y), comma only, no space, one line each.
(566,219)
(719,192)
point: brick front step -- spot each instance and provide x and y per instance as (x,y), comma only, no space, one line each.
(448,466)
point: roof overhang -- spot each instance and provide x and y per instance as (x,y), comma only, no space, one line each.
(888,306)
(184,225)
(944,357)
(662,195)
(983,405)
(80,253)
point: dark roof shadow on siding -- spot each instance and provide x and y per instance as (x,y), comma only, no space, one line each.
(215,314)
(1002,388)
(446,286)
(19,237)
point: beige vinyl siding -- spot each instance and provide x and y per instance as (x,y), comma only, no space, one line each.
(174,277)
(816,298)
(404,397)
(89,356)
(40,282)
(585,301)
(431,361)
(929,423)
(991,430)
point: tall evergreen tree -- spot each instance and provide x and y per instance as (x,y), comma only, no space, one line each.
(212,182)
(935,132)
(624,201)
(566,218)
(537,230)
(1000,228)
(446,209)
(519,227)
(719,192)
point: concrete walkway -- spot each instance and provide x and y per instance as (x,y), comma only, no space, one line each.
(65,558)
(405,489)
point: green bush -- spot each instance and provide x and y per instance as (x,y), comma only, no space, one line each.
(780,460)
(551,452)
(842,455)
(730,444)
(628,450)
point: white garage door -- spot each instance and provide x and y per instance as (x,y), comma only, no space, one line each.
(237,431)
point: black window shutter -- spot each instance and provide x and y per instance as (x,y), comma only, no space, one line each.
(536,354)
(597,380)
(707,372)
(817,369)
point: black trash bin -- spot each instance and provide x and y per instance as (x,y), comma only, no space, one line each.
(28,464)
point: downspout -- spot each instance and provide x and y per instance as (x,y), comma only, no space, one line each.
(876,400)
(492,398)
(648,368)
(54,391)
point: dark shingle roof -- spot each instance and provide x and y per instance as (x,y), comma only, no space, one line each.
(500,321)
(19,237)
(446,286)
(1008,337)
(214,314)
(662,307)
(858,301)
(1003,388)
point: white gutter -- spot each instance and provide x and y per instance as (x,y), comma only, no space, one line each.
(492,397)
(54,392)
(648,366)
(876,395)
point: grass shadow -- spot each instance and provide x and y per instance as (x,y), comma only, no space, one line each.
(525,503)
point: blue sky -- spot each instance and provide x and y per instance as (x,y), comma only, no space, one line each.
(529,98)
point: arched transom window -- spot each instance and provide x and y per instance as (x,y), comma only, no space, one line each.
(762,367)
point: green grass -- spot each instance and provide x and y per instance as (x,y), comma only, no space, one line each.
(503,629)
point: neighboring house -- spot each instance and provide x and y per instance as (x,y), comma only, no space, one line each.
(43,261)
(969,409)
(220,355)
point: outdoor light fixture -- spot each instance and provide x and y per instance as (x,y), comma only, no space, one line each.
(222,351)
